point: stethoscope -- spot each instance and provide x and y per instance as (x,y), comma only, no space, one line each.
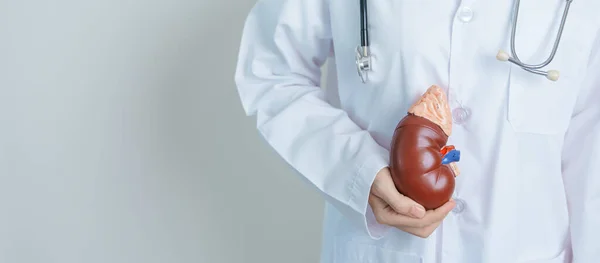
(363,53)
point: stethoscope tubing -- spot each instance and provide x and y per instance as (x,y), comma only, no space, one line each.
(515,58)
(363,56)
(364,26)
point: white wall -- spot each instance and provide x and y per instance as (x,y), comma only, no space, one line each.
(122,139)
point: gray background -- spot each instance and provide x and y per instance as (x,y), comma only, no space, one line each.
(122,139)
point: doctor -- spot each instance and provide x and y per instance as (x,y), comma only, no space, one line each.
(529,189)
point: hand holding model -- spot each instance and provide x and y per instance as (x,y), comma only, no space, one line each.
(394,209)
(414,194)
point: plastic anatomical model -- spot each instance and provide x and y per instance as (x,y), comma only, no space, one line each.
(423,167)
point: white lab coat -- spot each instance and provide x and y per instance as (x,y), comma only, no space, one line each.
(530,184)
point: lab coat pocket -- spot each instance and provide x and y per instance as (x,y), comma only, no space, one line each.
(562,257)
(358,252)
(537,105)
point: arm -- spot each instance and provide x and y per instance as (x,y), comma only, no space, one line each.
(581,166)
(283,46)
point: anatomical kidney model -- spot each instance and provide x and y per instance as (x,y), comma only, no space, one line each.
(423,167)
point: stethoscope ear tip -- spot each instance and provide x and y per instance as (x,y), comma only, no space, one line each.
(553,75)
(502,56)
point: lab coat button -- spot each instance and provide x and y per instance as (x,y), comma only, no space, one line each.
(465,14)
(460,115)
(460,206)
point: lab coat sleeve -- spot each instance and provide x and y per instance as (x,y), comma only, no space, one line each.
(581,166)
(283,47)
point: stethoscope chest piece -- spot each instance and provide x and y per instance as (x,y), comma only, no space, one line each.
(363,62)
(363,54)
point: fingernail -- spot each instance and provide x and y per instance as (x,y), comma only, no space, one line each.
(417,211)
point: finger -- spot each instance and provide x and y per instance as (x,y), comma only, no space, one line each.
(422,232)
(405,206)
(438,214)
(380,209)
(431,217)
(377,203)
(398,202)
